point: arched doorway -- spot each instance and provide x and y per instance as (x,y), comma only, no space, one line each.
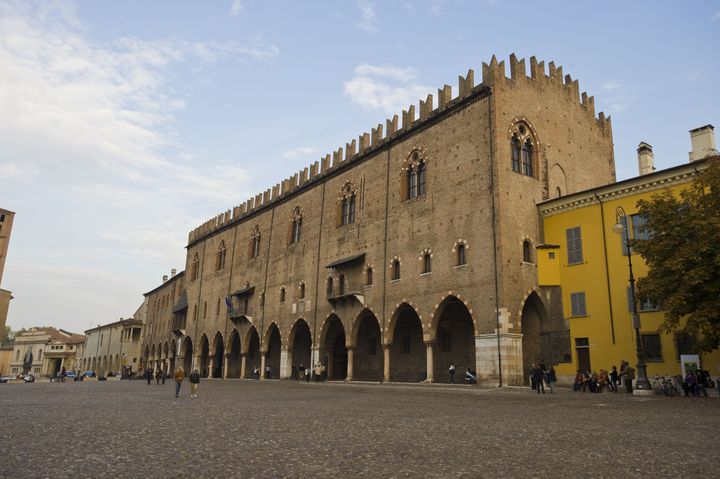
(234,358)
(272,356)
(301,342)
(187,348)
(368,355)
(253,352)
(204,356)
(335,350)
(533,313)
(218,356)
(407,353)
(454,341)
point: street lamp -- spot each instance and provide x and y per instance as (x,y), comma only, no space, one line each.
(642,384)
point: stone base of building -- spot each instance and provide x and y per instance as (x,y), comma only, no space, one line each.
(509,357)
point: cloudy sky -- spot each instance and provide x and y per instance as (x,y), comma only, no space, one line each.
(123,125)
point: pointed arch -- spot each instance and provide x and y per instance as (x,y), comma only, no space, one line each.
(407,349)
(204,346)
(300,345)
(234,356)
(218,356)
(366,339)
(532,318)
(453,331)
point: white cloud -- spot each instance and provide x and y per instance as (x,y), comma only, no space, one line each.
(237,7)
(368,18)
(89,143)
(611,85)
(301,152)
(617,99)
(386,88)
(716,16)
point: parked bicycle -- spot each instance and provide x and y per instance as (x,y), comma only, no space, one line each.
(665,386)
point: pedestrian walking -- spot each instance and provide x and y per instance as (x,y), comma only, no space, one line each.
(268,372)
(256,374)
(552,379)
(307,375)
(537,376)
(149,375)
(157,377)
(301,372)
(162,376)
(179,376)
(194,382)
(627,374)
(451,370)
(64,371)
(614,379)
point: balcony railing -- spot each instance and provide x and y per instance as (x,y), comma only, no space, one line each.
(346,290)
(239,312)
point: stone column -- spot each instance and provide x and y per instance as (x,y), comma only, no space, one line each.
(243,363)
(262,365)
(226,362)
(429,362)
(351,354)
(386,368)
(285,364)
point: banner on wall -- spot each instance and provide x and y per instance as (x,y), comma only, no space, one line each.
(689,362)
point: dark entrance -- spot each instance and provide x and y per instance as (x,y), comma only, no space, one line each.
(368,357)
(187,355)
(273,352)
(218,357)
(301,345)
(234,359)
(335,350)
(253,353)
(582,346)
(455,341)
(533,314)
(204,357)
(407,354)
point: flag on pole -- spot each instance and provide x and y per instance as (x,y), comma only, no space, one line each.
(228,303)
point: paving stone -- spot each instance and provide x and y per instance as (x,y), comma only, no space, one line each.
(289,429)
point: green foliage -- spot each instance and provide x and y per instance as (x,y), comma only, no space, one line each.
(6,336)
(683,254)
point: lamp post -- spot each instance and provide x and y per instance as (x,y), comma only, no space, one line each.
(642,385)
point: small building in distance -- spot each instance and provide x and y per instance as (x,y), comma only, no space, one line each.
(45,351)
(113,348)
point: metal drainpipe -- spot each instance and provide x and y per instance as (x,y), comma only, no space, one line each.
(494,229)
(607,270)
(267,265)
(317,275)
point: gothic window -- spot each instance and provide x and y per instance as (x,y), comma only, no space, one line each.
(195,267)
(527,158)
(414,180)
(296,225)
(460,254)
(515,148)
(220,256)
(302,291)
(369,277)
(255,242)
(205,310)
(396,269)
(427,263)
(522,149)
(329,286)
(527,251)
(282,295)
(347,200)
(341,284)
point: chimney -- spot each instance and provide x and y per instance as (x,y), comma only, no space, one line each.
(165,278)
(172,272)
(703,142)
(646,159)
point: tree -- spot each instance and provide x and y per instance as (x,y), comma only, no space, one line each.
(683,254)
(5,336)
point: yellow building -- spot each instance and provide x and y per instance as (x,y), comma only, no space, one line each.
(588,260)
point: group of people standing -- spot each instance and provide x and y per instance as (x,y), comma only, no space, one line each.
(595,382)
(315,373)
(541,375)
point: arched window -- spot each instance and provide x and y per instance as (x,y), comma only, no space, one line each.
(527,251)
(522,148)
(220,256)
(369,277)
(421,178)
(396,269)
(296,226)
(205,310)
(515,149)
(415,178)
(348,196)
(527,158)
(282,295)
(461,260)
(262,299)
(195,267)
(330,286)
(302,290)
(341,284)
(255,242)
(427,263)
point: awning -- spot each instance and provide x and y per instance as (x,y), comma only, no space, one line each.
(244,291)
(181,304)
(349,259)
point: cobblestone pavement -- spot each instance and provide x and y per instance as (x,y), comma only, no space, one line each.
(288,429)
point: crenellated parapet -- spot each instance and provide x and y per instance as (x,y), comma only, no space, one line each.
(427,109)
